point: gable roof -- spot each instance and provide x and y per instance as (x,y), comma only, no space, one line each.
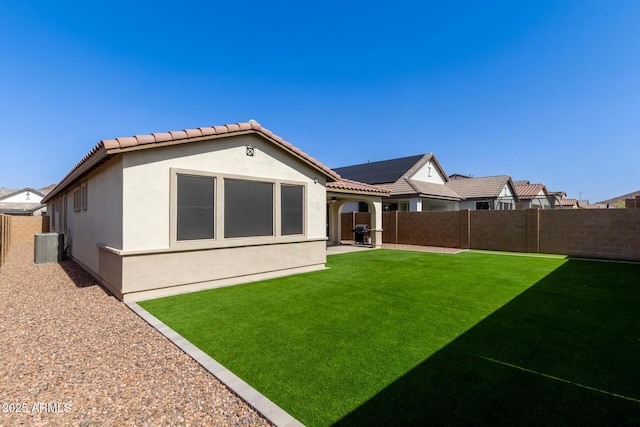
(11,193)
(473,188)
(108,148)
(568,202)
(383,172)
(530,191)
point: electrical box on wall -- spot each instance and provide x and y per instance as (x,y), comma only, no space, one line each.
(48,247)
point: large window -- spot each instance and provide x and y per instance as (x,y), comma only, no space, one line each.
(248,208)
(195,207)
(292,214)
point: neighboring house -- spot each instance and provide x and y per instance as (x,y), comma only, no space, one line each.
(25,201)
(415,183)
(534,196)
(172,212)
(489,192)
(584,204)
(567,203)
(419,183)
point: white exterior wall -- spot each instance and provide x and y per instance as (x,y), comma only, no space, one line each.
(440,205)
(23,197)
(100,223)
(351,207)
(429,173)
(147,179)
(415,205)
(507,196)
(542,201)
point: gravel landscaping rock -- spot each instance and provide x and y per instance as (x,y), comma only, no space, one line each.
(71,354)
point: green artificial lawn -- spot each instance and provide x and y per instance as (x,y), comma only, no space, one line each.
(394,337)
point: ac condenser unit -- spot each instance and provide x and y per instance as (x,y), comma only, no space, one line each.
(48,247)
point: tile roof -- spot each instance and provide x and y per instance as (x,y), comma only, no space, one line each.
(6,207)
(567,202)
(529,191)
(109,147)
(349,186)
(488,186)
(438,190)
(384,171)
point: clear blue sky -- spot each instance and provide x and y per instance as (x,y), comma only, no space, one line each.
(547,91)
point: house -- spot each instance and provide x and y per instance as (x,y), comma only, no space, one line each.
(419,183)
(415,183)
(163,213)
(489,192)
(585,204)
(533,196)
(565,203)
(25,201)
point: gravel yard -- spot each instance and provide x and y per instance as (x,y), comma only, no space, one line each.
(71,354)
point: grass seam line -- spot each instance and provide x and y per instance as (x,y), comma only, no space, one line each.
(531,371)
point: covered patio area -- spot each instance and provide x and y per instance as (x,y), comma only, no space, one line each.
(341,192)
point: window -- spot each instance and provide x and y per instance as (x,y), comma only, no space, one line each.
(76,199)
(248,208)
(292,209)
(195,207)
(482,206)
(83,196)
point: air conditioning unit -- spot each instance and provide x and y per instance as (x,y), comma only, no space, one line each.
(48,247)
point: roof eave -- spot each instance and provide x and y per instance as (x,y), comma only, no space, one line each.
(92,161)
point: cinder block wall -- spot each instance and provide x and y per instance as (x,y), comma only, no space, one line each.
(23,228)
(597,233)
(499,230)
(436,228)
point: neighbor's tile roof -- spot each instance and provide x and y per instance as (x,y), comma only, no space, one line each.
(406,186)
(470,188)
(349,186)
(385,171)
(529,191)
(567,202)
(110,147)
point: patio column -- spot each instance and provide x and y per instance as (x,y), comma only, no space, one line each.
(376,222)
(334,221)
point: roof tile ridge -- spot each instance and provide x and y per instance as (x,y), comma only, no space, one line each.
(411,184)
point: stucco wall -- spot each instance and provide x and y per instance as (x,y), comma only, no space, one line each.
(428,173)
(100,223)
(147,175)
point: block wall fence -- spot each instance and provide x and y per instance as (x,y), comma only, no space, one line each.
(19,229)
(597,233)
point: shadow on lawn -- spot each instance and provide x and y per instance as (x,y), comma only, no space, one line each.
(530,362)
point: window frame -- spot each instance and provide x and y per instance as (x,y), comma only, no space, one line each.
(303,224)
(219,240)
(213,219)
(274,207)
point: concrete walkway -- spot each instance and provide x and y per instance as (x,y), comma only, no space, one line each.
(343,249)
